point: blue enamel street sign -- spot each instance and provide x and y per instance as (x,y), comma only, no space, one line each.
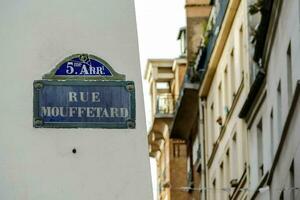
(84,104)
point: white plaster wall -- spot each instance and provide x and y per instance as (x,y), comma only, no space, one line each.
(234,125)
(289,153)
(254,177)
(155,190)
(39,164)
(288,30)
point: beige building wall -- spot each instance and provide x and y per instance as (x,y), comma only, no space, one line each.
(178,160)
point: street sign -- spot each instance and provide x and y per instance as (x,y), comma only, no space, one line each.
(84,104)
(84,91)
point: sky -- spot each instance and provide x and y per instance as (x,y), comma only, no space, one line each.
(158,24)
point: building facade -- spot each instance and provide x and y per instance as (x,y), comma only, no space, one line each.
(165,77)
(224,87)
(272,107)
(236,104)
(249,90)
(185,125)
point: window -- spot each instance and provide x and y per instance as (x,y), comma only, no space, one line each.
(279,104)
(212,122)
(281,195)
(241,46)
(220,99)
(227,166)
(214,192)
(165,104)
(292,182)
(183,42)
(272,135)
(210,126)
(289,74)
(227,91)
(259,129)
(179,148)
(222,175)
(234,161)
(233,75)
(162,85)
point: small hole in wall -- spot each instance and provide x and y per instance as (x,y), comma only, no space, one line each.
(74,151)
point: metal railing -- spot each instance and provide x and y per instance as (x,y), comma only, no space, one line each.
(165,104)
(206,52)
(203,57)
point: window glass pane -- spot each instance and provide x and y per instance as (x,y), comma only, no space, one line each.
(162,85)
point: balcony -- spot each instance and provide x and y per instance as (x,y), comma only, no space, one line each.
(186,107)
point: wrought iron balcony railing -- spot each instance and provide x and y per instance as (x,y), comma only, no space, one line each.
(165,105)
